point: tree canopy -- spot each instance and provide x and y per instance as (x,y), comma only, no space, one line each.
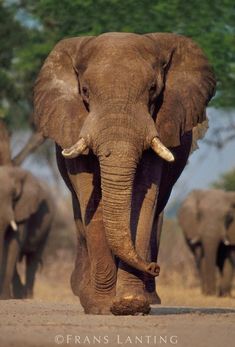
(29,29)
(226,181)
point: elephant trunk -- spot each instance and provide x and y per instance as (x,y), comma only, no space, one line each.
(116,184)
(210,248)
(118,141)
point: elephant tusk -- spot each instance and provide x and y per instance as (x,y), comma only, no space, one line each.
(226,242)
(13,225)
(161,150)
(76,150)
(194,241)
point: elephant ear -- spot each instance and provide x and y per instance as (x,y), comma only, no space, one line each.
(188,215)
(59,111)
(189,85)
(29,194)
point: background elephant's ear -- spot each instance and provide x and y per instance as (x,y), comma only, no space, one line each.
(189,215)
(29,194)
(189,85)
(59,111)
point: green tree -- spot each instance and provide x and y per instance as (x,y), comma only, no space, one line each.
(12,35)
(210,23)
(226,181)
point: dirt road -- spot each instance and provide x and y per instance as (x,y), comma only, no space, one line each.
(36,323)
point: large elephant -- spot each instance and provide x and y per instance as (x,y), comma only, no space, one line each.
(113,104)
(26,217)
(207,218)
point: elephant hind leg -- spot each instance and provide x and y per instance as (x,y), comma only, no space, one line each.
(12,257)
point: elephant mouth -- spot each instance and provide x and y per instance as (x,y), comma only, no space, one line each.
(83,144)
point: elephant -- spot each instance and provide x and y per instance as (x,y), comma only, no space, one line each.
(26,217)
(207,219)
(121,108)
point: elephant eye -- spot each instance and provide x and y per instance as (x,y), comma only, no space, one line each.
(15,196)
(152,88)
(85,92)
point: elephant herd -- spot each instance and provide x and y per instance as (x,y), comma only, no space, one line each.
(124,111)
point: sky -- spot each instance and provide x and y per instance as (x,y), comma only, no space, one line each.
(205,165)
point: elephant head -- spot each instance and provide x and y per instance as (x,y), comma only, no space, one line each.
(20,198)
(207,221)
(207,213)
(119,94)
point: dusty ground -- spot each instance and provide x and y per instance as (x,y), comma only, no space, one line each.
(54,317)
(36,323)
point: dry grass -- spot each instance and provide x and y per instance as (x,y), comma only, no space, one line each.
(53,284)
(178,284)
(180,292)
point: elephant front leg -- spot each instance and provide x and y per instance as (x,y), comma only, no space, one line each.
(95,266)
(94,275)
(12,257)
(102,266)
(135,290)
(17,286)
(150,282)
(32,262)
(226,278)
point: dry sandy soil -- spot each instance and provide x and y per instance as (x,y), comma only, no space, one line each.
(36,323)
(54,317)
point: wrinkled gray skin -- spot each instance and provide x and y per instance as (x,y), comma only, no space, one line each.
(207,218)
(111,96)
(24,200)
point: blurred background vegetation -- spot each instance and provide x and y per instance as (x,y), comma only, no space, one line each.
(29,29)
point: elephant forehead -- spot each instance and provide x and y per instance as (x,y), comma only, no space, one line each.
(215,201)
(108,71)
(120,46)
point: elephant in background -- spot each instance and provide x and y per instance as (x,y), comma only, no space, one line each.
(207,218)
(26,216)
(121,108)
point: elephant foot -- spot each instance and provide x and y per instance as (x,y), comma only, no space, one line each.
(100,306)
(130,305)
(98,309)
(95,303)
(153,298)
